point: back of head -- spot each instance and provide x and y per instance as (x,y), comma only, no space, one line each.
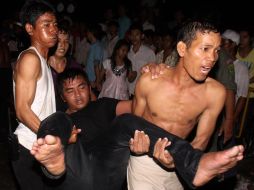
(33,9)
(69,74)
(189,29)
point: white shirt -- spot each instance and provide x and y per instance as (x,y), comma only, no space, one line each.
(43,104)
(241,78)
(143,56)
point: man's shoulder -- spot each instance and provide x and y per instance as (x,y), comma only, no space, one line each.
(213,83)
(214,86)
(28,54)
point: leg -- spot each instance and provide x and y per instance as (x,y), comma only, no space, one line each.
(72,159)
(186,158)
(214,163)
(25,169)
(49,152)
(48,149)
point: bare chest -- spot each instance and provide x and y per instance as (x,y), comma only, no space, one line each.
(176,111)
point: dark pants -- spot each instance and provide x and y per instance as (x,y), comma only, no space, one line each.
(113,153)
(27,171)
(107,163)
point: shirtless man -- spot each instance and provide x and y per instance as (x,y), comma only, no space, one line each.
(186,84)
(179,99)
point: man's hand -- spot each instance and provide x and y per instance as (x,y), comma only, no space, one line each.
(162,155)
(140,143)
(74,135)
(155,69)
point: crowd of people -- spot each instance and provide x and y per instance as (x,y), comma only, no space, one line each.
(125,103)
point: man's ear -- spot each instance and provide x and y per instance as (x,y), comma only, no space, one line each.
(181,48)
(29,29)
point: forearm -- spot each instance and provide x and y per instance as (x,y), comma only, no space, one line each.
(26,116)
(199,143)
(239,108)
(230,105)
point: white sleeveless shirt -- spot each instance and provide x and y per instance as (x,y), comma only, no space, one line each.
(43,104)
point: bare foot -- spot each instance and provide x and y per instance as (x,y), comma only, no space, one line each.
(214,163)
(49,152)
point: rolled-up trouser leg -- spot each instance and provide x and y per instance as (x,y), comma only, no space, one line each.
(115,150)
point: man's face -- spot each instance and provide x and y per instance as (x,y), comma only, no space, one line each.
(244,39)
(202,54)
(76,93)
(135,37)
(45,30)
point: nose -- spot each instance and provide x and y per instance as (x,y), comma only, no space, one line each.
(77,93)
(213,56)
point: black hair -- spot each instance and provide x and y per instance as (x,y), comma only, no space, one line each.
(62,28)
(33,9)
(127,62)
(96,30)
(188,32)
(69,74)
(136,26)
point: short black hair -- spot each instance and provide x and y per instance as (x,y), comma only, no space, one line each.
(69,74)
(33,9)
(189,29)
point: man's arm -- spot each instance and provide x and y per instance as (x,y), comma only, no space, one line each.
(27,72)
(215,102)
(139,100)
(228,122)
(123,106)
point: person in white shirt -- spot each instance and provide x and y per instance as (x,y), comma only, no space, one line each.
(34,93)
(139,54)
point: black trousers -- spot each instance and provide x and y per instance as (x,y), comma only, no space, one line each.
(107,163)
(113,153)
(27,171)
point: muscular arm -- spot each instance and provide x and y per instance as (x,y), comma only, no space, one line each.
(27,72)
(139,100)
(215,102)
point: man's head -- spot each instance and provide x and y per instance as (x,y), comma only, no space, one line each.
(230,40)
(39,20)
(74,88)
(136,34)
(198,44)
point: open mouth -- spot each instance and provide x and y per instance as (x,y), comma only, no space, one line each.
(205,70)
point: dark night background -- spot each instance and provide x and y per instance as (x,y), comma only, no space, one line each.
(230,13)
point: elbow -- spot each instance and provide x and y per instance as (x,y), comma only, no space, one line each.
(19,115)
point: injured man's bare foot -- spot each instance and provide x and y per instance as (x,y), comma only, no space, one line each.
(213,163)
(49,152)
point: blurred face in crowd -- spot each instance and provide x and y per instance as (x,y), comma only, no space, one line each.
(63,44)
